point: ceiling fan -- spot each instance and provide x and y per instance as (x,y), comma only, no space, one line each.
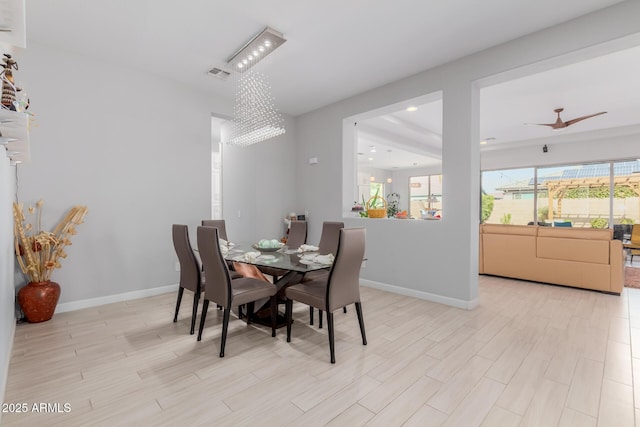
(559,124)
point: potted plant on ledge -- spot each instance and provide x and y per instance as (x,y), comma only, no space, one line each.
(38,253)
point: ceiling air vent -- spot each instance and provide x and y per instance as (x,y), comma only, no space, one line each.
(219,73)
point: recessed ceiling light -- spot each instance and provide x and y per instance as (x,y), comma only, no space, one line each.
(370,158)
(412,108)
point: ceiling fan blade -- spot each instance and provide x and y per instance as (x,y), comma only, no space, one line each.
(540,124)
(578,119)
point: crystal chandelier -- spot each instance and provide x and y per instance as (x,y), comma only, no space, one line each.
(256,118)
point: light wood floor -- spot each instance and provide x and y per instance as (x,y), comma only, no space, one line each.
(529,355)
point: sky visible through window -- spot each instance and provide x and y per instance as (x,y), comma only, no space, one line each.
(495,179)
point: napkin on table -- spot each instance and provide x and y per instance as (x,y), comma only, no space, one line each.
(324,259)
(319,259)
(307,248)
(247,257)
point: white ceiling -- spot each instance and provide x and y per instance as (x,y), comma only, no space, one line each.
(336,49)
(605,83)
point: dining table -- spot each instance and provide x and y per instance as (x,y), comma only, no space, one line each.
(294,262)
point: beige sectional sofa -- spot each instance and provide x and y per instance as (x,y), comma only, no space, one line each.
(579,257)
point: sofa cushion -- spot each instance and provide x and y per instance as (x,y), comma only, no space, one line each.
(519,230)
(578,274)
(508,255)
(577,233)
(580,250)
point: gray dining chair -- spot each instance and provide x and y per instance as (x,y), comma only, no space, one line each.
(190,277)
(224,291)
(338,289)
(328,245)
(297,237)
(219,224)
(222,233)
(297,234)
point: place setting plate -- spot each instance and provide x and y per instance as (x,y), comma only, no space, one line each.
(255,246)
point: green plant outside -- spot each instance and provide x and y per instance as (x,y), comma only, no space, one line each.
(599,223)
(506,219)
(619,192)
(543,213)
(487,206)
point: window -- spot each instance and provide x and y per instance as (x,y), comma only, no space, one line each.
(570,195)
(507,196)
(425,193)
(376,189)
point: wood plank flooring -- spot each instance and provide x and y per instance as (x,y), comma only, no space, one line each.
(528,355)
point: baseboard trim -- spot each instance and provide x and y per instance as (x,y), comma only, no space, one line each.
(109,299)
(454,302)
(94,302)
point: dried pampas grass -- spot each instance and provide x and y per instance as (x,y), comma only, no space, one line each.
(38,251)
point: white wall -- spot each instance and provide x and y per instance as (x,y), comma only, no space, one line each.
(7,260)
(134,148)
(607,146)
(259,186)
(435,259)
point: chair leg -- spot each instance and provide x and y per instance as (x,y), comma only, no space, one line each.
(194,312)
(225,327)
(361,321)
(344,309)
(240,312)
(311,315)
(320,319)
(332,348)
(180,291)
(289,315)
(205,306)
(250,308)
(274,314)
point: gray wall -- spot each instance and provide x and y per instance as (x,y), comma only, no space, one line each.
(438,259)
(134,148)
(258,186)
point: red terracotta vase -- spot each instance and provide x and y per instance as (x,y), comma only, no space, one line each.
(38,300)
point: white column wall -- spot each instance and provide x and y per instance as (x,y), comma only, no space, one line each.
(7,261)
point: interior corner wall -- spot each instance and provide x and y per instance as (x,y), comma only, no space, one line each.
(7,260)
(133,147)
(435,260)
(258,186)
